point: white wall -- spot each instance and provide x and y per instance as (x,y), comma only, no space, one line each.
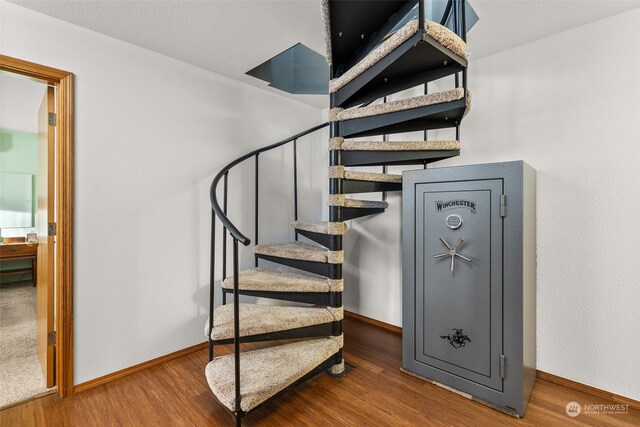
(20,99)
(568,105)
(150,133)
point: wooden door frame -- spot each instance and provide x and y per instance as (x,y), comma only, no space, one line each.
(63,82)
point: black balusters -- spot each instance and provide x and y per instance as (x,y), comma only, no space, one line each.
(385,138)
(212,275)
(224,235)
(257,209)
(236,324)
(295,182)
(464,80)
(384,170)
(447,12)
(455,17)
(464,21)
(426,92)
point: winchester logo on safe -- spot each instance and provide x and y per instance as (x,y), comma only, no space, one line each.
(452,204)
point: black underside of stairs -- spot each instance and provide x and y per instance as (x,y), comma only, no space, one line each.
(329,241)
(358,26)
(332,271)
(353,213)
(390,158)
(413,63)
(350,186)
(438,116)
(331,299)
(322,330)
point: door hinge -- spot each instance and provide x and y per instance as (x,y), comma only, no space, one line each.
(52,119)
(51,338)
(503,363)
(52,229)
(503,205)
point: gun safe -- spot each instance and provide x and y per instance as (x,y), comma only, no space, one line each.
(469,280)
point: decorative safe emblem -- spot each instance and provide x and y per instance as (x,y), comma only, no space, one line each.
(442,205)
(454,221)
(457,339)
(453,253)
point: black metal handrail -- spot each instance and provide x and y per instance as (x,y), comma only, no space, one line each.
(238,237)
(222,214)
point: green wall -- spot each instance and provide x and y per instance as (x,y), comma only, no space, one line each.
(18,154)
(18,151)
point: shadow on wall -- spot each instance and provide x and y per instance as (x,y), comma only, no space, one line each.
(6,142)
(372,278)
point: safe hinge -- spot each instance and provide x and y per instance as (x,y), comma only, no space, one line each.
(503,363)
(52,119)
(503,205)
(52,229)
(51,338)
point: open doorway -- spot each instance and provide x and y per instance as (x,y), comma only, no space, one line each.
(36,220)
(27,284)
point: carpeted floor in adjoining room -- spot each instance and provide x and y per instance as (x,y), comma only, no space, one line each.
(20,374)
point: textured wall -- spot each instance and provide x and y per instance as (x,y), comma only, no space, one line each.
(150,133)
(568,105)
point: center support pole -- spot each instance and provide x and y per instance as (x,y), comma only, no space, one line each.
(336,215)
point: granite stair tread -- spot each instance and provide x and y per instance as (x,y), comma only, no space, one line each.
(256,319)
(350,145)
(294,250)
(262,279)
(322,227)
(371,176)
(266,372)
(340,114)
(341,200)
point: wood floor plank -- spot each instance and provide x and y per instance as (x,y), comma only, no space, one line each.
(375,393)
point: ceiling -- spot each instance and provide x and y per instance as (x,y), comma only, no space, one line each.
(506,24)
(230,37)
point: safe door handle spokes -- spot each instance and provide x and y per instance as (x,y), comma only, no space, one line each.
(453,253)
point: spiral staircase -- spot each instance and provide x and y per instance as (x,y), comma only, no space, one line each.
(375,49)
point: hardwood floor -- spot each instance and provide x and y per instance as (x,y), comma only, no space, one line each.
(376,393)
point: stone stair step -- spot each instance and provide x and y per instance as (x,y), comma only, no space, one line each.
(341,172)
(268,371)
(301,252)
(341,200)
(322,227)
(262,279)
(350,145)
(256,319)
(340,114)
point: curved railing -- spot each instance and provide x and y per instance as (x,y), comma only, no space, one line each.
(222,213)
(238,237)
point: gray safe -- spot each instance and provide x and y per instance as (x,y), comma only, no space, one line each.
(469,280)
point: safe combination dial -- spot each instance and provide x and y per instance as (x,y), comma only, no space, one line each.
(453,253)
